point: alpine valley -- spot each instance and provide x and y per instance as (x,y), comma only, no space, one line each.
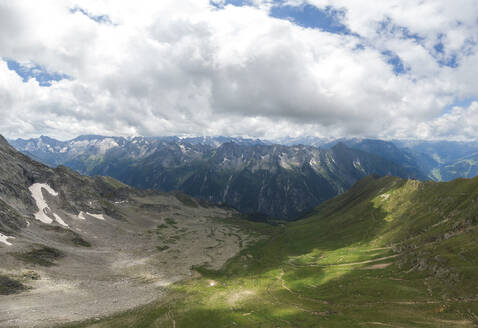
(239,164)
(80,251)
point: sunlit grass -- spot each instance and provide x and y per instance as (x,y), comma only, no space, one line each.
(344,266)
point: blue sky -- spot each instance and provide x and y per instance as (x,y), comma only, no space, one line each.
(309,16)
(102,19)
(31,70)
(459,102)
(304,15)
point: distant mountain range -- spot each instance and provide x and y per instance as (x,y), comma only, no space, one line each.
(255,176)
(252,176)
(437,160)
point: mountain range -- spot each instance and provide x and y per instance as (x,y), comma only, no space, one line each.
(252,176)
(441,160)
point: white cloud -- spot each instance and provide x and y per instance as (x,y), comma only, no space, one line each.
(185,67)
(459,122)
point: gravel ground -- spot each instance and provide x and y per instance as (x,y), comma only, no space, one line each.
(129,263)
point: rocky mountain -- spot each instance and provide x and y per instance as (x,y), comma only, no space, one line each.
(54,152)
(75,247)
(385,149)
(252,176)
(439,160)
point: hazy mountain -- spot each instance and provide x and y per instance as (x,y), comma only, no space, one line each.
(250,175)
(385,149)
(443,160)
(308,141)
(465,167)
(437,160)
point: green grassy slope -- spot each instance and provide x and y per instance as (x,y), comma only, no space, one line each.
(387,253)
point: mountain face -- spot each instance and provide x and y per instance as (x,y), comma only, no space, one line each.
(75,247)
(252,176)
(436,160)
(388,150)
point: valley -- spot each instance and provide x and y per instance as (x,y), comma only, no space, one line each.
(81,251)
(239,164)
(387,253)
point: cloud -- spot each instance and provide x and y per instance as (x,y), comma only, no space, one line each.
(202,68)
(464,120)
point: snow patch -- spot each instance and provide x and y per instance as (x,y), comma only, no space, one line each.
(106,144)
(3,239)
(97,216)
(314,162)
(59,220)
(37,194)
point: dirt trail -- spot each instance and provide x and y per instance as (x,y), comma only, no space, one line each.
(345,264)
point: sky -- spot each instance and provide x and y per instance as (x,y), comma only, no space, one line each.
(403,69)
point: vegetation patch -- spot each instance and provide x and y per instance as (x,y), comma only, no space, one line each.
(186,200)
(10,286)
(170,221)
(41,255)
(70,235)
(79,241)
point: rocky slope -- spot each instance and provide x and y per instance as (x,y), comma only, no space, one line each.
(75,247)
(252,176)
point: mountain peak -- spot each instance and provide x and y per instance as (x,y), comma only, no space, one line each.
(3,140)
(340,146)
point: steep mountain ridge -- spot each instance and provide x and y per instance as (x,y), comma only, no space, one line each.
(252,176)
